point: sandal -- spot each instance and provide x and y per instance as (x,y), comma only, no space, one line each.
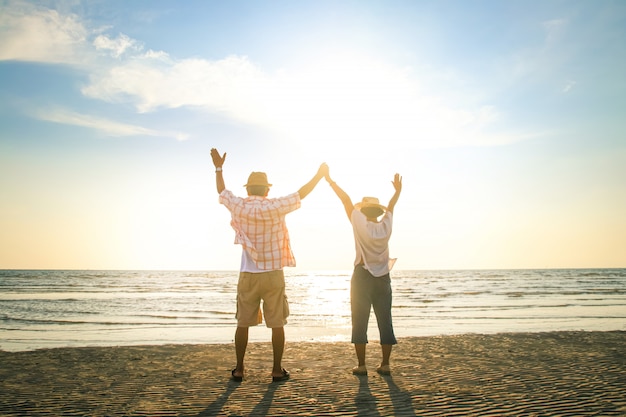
(384,370)
(236,378)
(285,376)
(359,370)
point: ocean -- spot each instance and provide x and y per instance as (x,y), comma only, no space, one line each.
(71,308)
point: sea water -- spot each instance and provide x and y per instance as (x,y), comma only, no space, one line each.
(42,309)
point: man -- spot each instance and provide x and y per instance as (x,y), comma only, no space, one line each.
(260,229)
(370,285)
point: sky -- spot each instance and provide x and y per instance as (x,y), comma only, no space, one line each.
(506,120)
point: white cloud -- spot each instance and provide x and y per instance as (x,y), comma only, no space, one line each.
(117,46)
(569,85)
(41,35)
(156,55)
(108,127)
(338,98)
(152,81)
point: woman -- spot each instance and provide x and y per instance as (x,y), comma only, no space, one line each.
(371,284)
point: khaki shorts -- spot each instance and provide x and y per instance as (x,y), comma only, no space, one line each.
(267,286)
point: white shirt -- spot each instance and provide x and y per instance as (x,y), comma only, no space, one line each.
(372,242)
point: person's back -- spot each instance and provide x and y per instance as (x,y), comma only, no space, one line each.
(370,285)
(371,240)
(259,223)
(261,230)
(262,210)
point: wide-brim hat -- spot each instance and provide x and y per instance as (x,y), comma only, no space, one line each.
(258,178)
(370,202)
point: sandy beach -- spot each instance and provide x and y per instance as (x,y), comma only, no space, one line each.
(530,374)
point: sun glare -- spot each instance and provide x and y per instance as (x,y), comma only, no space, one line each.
(327,297)
(346,95)
(347,99)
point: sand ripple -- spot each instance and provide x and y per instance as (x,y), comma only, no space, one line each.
(542,374)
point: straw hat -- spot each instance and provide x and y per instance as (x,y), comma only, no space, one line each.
(258,178)
(370,202)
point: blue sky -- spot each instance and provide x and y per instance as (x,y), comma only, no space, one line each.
(505,119)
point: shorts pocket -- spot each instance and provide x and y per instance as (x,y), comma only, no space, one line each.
(285,308)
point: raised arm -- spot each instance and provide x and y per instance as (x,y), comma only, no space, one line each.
(397,185)
(343,196)
(218,161)
(309,186)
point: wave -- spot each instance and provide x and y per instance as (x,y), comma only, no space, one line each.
(113,302)
(57,321)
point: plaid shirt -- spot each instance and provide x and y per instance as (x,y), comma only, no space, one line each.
(260,227)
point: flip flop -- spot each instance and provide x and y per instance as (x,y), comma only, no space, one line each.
(236,378)
(283,377)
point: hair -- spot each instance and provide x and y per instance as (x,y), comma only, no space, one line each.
(373,212)
(260,190)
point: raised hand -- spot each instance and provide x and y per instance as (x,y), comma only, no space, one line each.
(397,185)
(323,171)
(397,182)
(218,160)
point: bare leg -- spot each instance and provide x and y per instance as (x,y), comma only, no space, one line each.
(386,354)
(278,346)
(241,344)
(360,353)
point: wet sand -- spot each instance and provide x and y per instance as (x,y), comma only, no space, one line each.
(529,374)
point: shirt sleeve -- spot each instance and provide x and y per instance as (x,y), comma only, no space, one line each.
(228,199)
(288,203)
